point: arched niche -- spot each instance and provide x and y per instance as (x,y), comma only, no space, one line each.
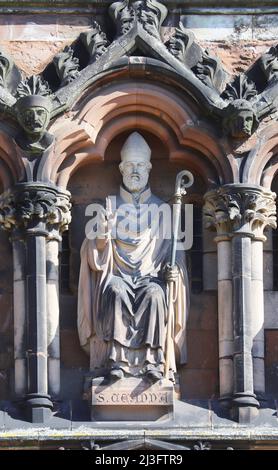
(11,170)
(93,182)
(86,133)
(261,165)
(11,165)
(85,161)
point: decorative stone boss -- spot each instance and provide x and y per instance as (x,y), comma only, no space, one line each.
(125,270)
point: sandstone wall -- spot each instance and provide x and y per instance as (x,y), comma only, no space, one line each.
(32,41)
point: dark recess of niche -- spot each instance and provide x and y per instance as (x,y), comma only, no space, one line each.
(195,255)
(64,263)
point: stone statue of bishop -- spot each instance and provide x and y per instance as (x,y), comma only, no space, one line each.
(122,301)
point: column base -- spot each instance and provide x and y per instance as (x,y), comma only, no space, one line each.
(244,407)
(38,407)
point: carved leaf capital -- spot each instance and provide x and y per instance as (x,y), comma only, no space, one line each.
(21,207)
(239,208)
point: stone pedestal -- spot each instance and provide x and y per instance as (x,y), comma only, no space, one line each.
(131,399)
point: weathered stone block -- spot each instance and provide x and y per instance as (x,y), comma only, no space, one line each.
(131,399)
(217,27)
(265,27)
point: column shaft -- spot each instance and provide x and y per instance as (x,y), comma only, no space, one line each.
(19,304)
(36,314)
(258,317)
(53,336)
(225,318)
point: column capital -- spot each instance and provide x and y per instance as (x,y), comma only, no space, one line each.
(29,204)
(240,209)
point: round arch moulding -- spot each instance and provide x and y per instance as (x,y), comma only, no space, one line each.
(261,165)
(97,118)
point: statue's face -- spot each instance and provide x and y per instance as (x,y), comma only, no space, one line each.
(242,124)
(135,174)
(34,119)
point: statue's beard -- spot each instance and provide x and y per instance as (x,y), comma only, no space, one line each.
(135,183)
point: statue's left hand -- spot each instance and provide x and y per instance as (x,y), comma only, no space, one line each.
(171,273)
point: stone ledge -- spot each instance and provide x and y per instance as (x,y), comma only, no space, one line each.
(192,419)
(170,434)
(88,6)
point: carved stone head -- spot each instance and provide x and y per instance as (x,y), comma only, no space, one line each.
(135,165)
(240,119)
(33,114)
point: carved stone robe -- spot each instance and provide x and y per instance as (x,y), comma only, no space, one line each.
(122,297)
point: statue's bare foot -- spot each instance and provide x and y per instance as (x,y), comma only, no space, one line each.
(116,374)
(153,375)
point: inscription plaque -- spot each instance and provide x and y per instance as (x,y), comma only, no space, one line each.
(132,398)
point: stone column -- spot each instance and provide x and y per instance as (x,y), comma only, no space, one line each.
(19,299)
(225,316)
(258,315)
(240,213)
(56,228)
(214,220)
(34,211)
(53,337)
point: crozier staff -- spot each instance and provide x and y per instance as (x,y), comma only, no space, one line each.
(180,191)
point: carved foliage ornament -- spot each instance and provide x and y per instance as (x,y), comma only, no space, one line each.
(232,209)
(269,63)
(179,44)
(34,85)
(210,71)
(66,66)
(149,13)
(5,68)
(147,443)
(18,209)
(239,108)
(95,42)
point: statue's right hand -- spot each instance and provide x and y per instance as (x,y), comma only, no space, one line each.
(102,223)
(106,220)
